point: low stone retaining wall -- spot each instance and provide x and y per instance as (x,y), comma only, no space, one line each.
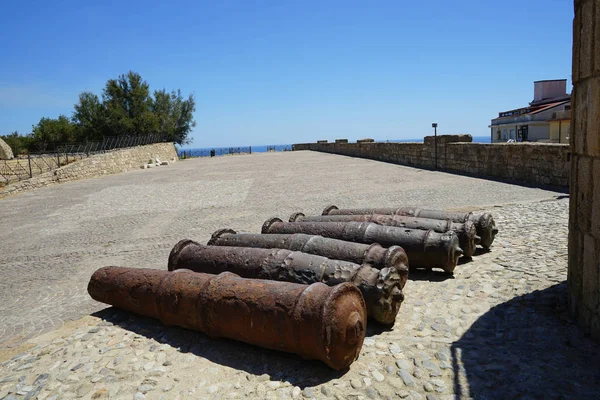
(111,162)
(537,164)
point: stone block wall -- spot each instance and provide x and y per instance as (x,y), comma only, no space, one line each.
(111,162)
(584,219)
(530,163)
(535,164)
(401,153)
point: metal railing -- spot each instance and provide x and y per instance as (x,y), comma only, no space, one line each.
(279,147)
(223,151)
(35,163)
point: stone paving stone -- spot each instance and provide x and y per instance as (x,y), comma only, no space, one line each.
(497,329)
(59,235)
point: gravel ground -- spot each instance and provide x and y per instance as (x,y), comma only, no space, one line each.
(497,329)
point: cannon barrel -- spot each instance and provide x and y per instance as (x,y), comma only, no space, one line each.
(373,254)
(466,231)
(317,321)
(381,289)
(484,223)
(425,249)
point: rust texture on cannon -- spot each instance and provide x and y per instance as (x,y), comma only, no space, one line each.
(425,249)
(373,254)
(382,289)
(466,232)
(484,223)
(317,321)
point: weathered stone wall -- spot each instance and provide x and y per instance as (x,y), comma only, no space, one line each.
(584,220)
(111,162)
(5,151)
(400,153)
(529,163)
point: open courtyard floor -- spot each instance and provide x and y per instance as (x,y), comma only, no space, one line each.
(497,329)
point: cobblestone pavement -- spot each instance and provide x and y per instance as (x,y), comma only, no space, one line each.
(497,329)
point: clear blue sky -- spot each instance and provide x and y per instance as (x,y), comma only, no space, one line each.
(275,72)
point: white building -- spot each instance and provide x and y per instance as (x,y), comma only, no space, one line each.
(535,122)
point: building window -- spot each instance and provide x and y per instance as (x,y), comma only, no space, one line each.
(504,135)
(498,135)
(512,133)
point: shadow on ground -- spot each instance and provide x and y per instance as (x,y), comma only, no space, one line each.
(431,276)
(527,348)
(479,251)
(254,360)
(440,276)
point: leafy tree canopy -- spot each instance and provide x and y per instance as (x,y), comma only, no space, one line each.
(174,114)
(48,130)
(129,105)
(126,106)
(90,117)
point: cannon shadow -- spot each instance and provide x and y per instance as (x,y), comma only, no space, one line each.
(440,276)
(527,348)
(431,276)
(255,360)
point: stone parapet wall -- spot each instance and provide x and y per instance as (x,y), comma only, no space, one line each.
(111,162)
(537,164)
(529,163)
(401,153)
(584,219)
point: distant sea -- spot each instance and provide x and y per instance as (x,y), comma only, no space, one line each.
(204,151)
(282,147)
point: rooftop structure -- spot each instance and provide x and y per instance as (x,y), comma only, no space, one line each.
(545,119)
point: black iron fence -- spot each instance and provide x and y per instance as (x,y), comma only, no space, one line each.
(35,163)
(107,143)
(224,151)
(279,147)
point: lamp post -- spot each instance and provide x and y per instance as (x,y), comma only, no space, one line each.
(434,126)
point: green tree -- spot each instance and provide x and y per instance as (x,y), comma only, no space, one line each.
(90,117)
(175,115)
(128,106)
(51,131)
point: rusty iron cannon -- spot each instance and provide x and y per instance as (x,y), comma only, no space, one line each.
(373,254)
(317,321)
(466,232)
(484,223)
(425,249)
(381,289)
